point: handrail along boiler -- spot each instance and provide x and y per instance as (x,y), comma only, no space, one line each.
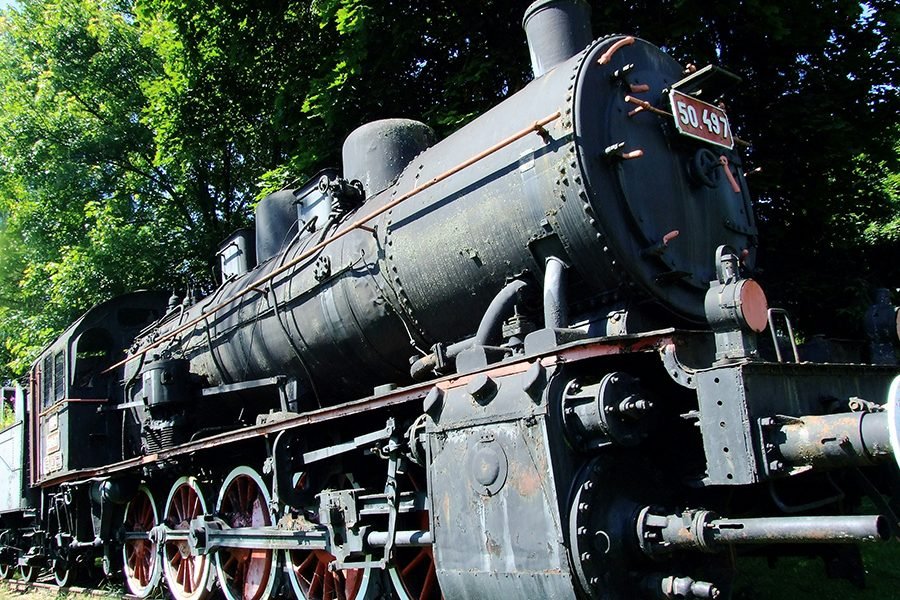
(524,361)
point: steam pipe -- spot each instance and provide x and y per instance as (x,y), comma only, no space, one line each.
(488,328)
(555,307)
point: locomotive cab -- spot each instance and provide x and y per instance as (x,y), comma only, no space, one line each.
(74,395)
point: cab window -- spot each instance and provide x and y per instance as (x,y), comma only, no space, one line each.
(59,377)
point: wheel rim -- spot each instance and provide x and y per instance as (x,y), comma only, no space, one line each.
(61,565)
(188,576)
(244,502)
(140,557)
(62,572)
(4,571)
(413,574)
(28,574)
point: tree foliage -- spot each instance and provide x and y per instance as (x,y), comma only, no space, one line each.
(139,133)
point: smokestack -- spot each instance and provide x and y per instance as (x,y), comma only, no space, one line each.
(557,30)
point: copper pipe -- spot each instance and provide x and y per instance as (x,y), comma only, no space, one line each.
(56,407)
(670,236)
(723,160)
(644,105)
(607,56)
(537,126)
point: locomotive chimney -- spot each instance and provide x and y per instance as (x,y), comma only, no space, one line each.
(557,30)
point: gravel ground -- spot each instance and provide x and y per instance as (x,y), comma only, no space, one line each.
(11,592)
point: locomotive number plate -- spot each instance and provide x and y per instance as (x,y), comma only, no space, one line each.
(700,120)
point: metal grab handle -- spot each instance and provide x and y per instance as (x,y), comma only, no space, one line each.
(790,331)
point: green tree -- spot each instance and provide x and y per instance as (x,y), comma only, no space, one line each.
(81,196)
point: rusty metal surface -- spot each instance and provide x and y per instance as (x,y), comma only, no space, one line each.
(487,481)
(738,401)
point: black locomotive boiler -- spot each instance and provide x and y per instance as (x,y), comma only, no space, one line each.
(524,361)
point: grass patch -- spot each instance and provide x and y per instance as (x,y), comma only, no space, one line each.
(796,578)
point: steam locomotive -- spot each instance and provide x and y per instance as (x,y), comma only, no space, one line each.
(524,361)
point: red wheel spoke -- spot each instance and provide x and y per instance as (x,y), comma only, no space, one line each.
(422,554)
(429,583)
(189,576)
(312,579)
(327,584)
(186,498)
(178,507)
(140,571)
(317,582)
(244,487)
(415,568)
(306,562)
(241,575)
(340,588)
(179,573)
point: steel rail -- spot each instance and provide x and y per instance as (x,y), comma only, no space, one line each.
(536,127)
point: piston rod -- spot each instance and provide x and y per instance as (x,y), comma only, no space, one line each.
(799,530)
(401,538)
(208,533)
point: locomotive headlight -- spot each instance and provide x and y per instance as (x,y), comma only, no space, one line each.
(754,307)
(739,304)
(897,323)
(893,411)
